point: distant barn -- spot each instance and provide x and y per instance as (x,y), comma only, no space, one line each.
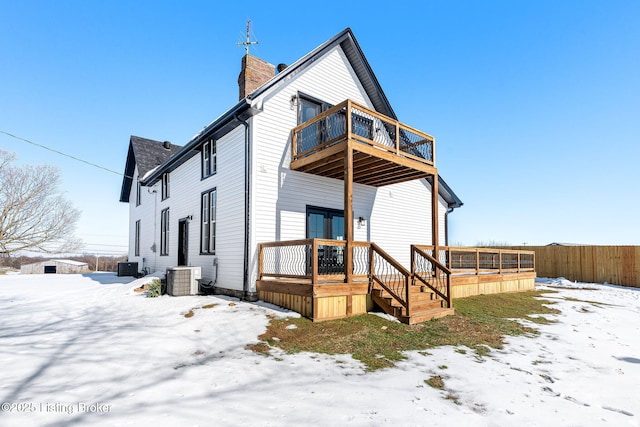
(55,266)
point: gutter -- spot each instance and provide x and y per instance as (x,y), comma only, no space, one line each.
(246,295)
(230,115)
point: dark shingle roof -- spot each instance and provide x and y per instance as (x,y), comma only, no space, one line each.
(147,154)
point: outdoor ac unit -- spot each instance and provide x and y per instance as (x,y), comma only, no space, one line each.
(183,280)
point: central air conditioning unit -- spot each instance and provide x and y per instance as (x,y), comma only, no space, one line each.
(183,280)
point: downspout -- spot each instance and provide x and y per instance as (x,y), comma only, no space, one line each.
(246,295)
(446,226)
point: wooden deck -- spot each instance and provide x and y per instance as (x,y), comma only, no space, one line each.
(329,279)
(288,278)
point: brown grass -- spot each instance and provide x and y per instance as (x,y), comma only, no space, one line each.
(191,313)
(480,323)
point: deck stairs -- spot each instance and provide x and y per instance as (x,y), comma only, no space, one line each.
(412,296)
(425,304)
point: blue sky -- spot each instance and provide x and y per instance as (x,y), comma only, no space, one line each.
(535,105)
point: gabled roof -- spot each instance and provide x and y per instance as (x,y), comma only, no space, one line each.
(147,154)
(244,109)
(347,41)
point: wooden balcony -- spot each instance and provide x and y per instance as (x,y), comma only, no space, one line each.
(385,151)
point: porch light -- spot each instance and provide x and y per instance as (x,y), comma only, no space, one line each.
(294,101)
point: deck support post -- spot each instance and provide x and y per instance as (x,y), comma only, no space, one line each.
(435,203)
(348,212)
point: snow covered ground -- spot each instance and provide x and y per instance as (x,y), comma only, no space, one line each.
(86,349)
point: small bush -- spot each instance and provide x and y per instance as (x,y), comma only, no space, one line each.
(155,289)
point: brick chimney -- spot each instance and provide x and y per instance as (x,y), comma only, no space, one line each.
(253,74)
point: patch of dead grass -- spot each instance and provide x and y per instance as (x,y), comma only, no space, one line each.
(191,312)
(480,323)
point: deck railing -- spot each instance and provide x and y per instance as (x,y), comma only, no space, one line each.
(351,120)
(476,261)
(322,260)
(431,273)
(391,276)
(315,260)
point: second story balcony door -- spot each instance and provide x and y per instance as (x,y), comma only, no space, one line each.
(308,110)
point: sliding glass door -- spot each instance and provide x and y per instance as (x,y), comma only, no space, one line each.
(325,223)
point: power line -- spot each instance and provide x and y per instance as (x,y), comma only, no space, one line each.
(64,154)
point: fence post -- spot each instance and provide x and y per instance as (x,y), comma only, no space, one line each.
(314,261)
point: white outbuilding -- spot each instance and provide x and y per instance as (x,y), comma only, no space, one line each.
(55,266)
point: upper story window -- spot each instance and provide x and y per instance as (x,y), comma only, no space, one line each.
(138,193)
(165,185)
(164,232)
(208,228)
(209,162)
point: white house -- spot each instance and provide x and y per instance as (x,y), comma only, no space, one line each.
(303,142)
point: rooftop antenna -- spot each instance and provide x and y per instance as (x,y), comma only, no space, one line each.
(247,42)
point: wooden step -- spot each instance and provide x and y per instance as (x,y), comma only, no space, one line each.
(436,313)
(425,305)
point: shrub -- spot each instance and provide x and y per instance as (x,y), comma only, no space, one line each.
(155,289)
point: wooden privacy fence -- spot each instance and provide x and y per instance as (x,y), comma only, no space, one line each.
(618,265)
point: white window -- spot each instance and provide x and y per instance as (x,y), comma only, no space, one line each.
(137,242)
(164,232)
(165,185)
(138,193)
(209,162)
(208,229)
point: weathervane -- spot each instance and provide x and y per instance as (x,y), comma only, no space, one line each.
(247,41)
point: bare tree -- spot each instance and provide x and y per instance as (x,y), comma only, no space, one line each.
(34,214)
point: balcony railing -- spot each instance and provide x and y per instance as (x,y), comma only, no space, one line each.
(349,120)
(466,261)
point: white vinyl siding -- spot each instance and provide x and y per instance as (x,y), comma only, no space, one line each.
(279,194)
(186,190)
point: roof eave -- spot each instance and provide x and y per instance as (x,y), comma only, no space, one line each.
(355,56)
(219,127)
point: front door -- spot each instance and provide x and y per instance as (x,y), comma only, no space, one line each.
(325,223)
(183,242)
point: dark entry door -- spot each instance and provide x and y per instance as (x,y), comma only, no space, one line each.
(183,242)
(325,223)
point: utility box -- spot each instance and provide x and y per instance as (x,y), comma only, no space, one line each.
(183,280)
(128,269)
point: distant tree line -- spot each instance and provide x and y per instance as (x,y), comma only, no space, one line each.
(105,263)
